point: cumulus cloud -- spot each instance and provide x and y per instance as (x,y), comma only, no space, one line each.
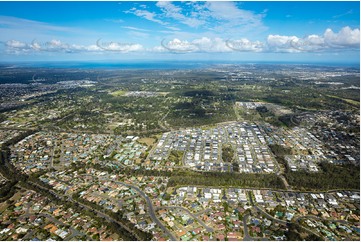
(118,46)
(245,45)
(210,45)
(281,43)
(59,46)
(346,38)
(15,46)
(330,41)
(177,45)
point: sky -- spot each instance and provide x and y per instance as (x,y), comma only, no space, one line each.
(326,31)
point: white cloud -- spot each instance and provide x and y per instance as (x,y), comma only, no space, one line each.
(210,45)
(117,21)
(177,45)
(19,23)
(134,28)
(173,28)
(138,35)
(158,49)
(245,45)
(26,30)
(146,14)
(35,46)
(281,43)
(118,46)
(228,18)
(330,41)
(174,12)
(230,12)
(343,14)
(124,47)
(17,47)
(14,46)
(347,37)
(59,46)
(220,17)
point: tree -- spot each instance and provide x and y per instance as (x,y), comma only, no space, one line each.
(227,153)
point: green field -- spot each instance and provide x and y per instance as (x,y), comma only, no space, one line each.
(118,93)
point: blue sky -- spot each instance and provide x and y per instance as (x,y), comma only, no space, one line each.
(241,31)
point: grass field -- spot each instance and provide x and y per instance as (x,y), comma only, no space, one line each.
(148,141)
(118,93)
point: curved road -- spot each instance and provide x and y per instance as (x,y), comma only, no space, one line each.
(150,208)
(285,222)
(149,204)
(247,237)
(278,220)
(270,216)
(203,211)
(209,229)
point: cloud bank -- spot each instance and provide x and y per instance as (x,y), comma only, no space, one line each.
(345,39)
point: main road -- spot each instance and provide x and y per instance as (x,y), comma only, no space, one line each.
(148,201)
(150,207)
